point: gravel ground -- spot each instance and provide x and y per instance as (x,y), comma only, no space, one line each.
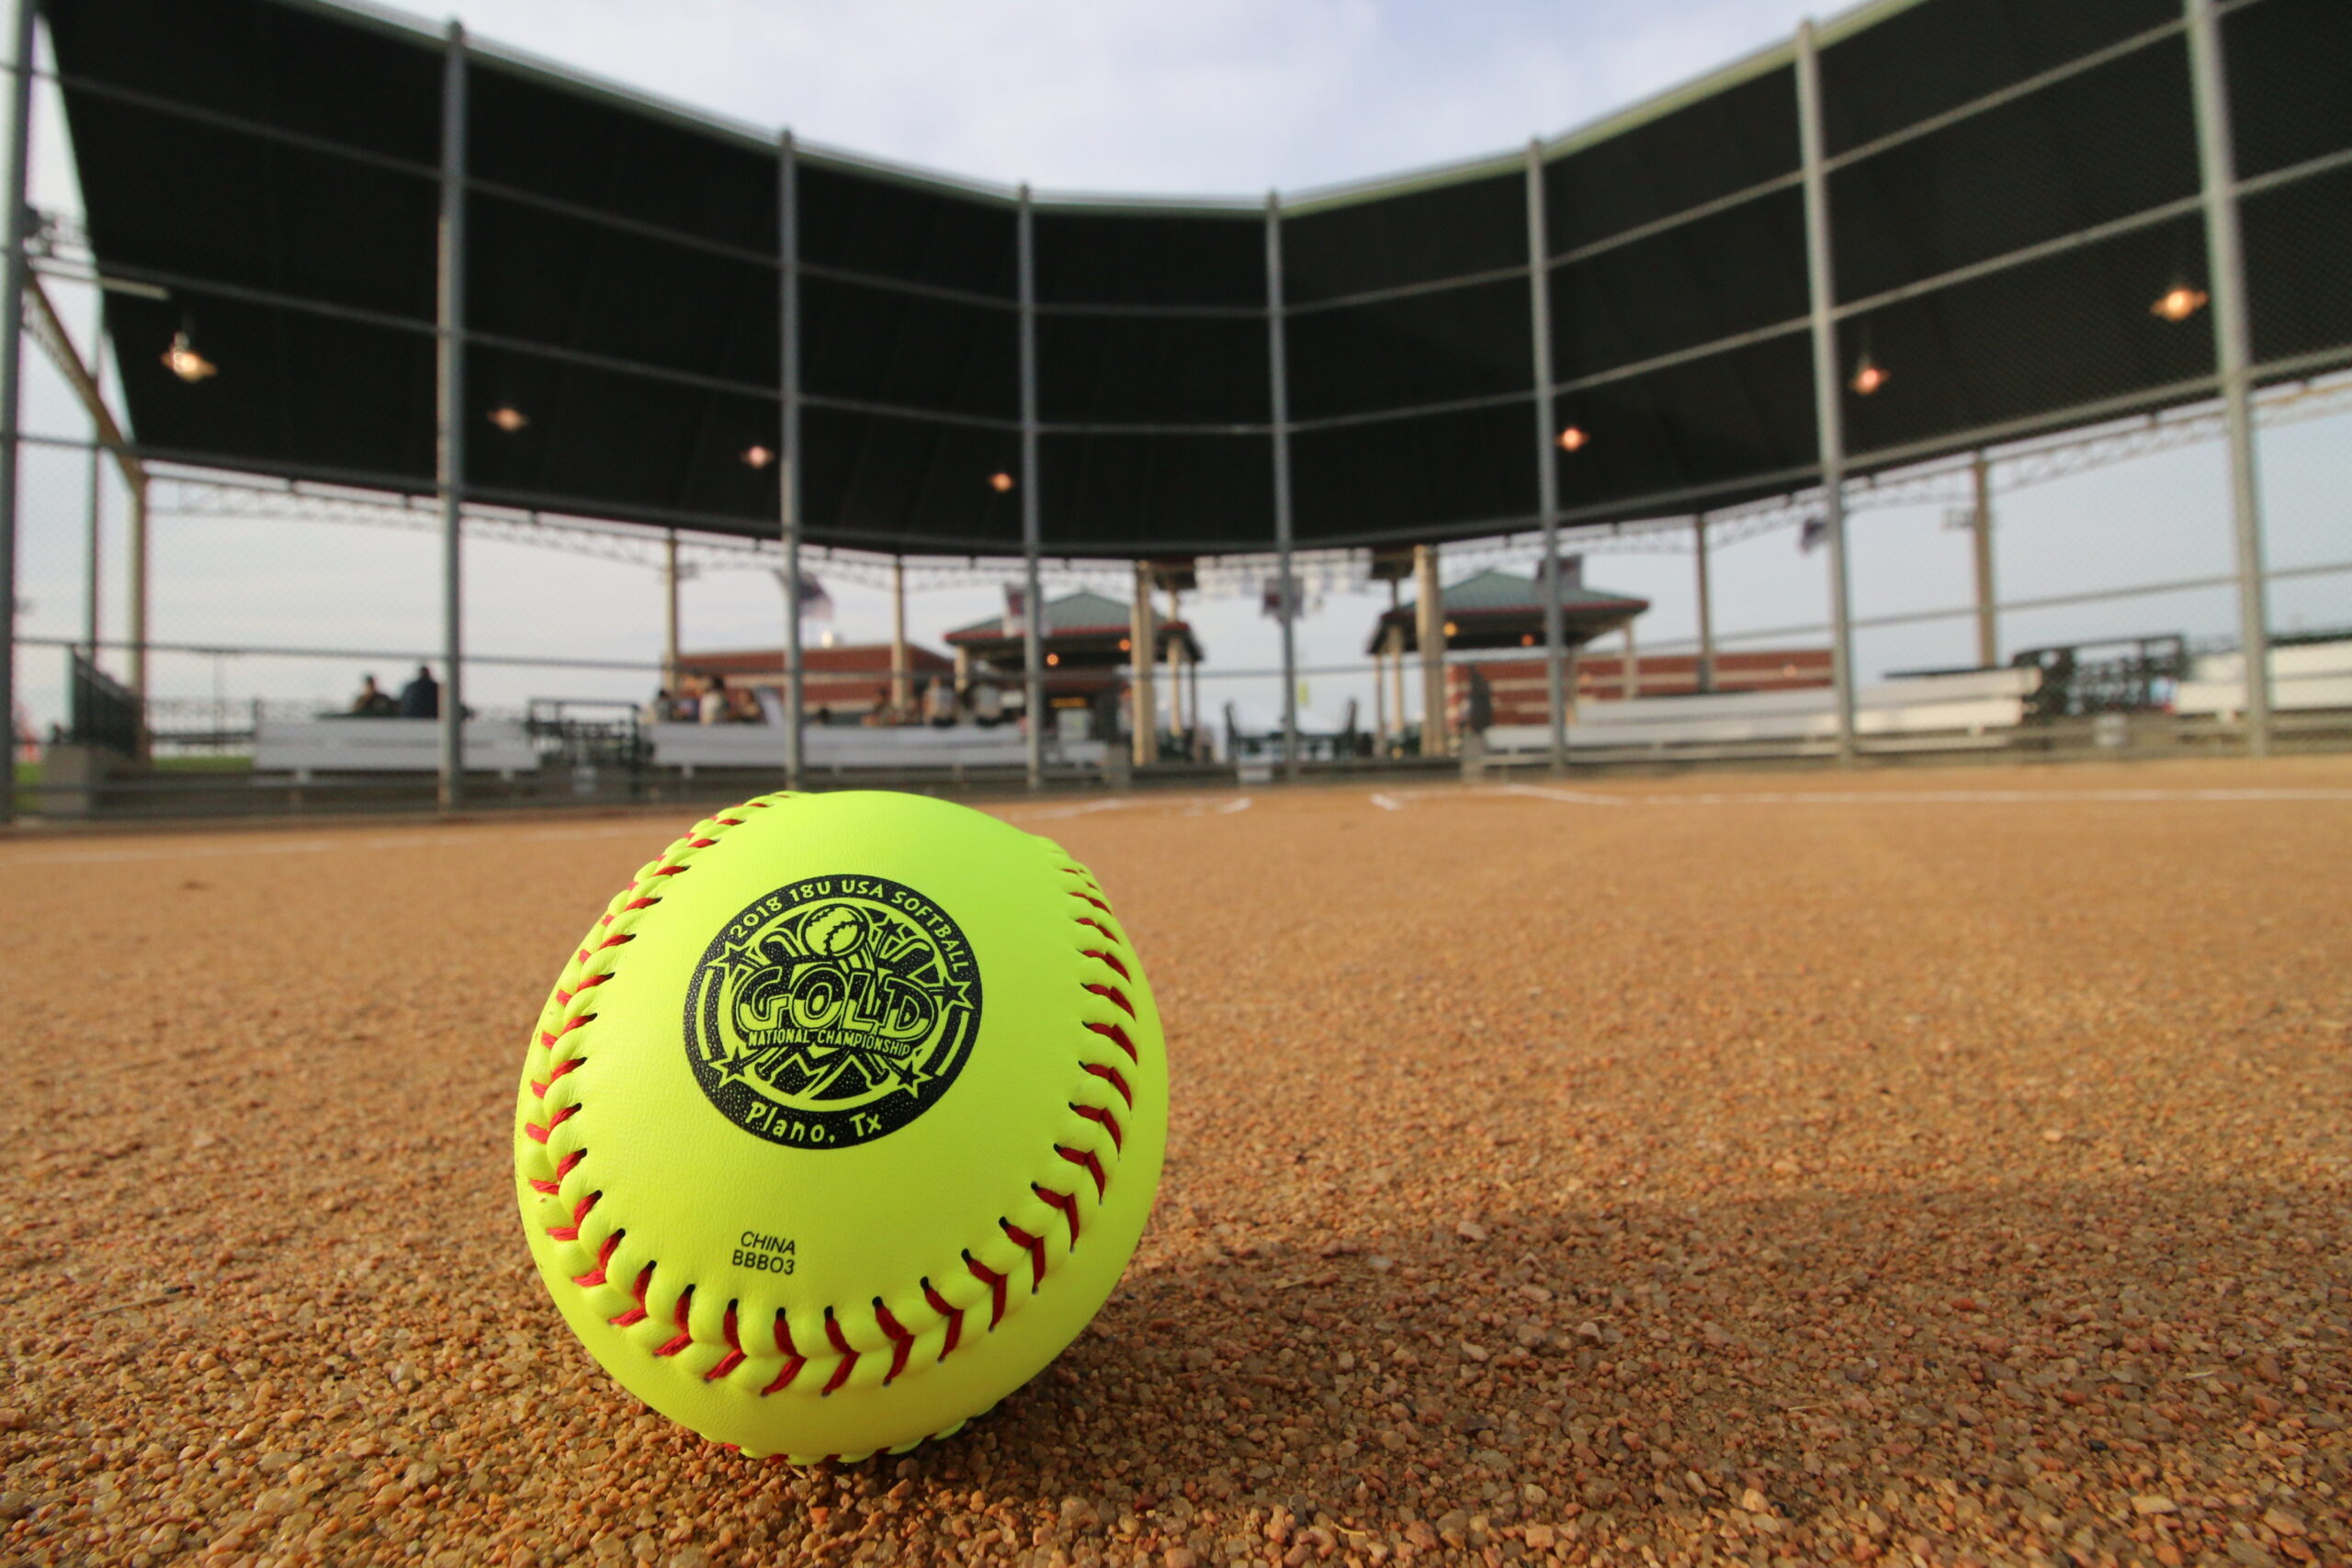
(1663,1171)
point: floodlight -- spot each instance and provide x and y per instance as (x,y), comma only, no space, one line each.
(2178,303)
(509,418)
(1869,377)
(999,483)
(1052,659)
(757,456)
(1573,439)
(183,361)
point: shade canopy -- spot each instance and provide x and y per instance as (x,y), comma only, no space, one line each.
(1494,609)
(2010,189)
(1084,628)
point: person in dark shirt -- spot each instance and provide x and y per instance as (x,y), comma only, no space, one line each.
(420,698)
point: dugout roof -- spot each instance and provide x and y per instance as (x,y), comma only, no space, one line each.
(2011,186)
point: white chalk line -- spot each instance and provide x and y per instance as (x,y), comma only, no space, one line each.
(426,839)
(1192,806)
(1386,802)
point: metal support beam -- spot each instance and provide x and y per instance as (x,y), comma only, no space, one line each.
(13,274)
(669,613)
(1143,705)
(900,696)
(790,469)
(1706,673)
(1629,674)
(92,567)
(1176,656)
(1430,615)
(1277,358)
(136,610)
(1828,382)
(449,384)
(1980,533)
(2233,353)
(1032,655)
(1547,469)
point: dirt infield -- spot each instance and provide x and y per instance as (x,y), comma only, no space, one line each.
(1948,1167)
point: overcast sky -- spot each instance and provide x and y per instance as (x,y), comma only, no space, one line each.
(1213,96)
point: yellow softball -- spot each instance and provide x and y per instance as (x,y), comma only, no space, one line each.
(841,1121)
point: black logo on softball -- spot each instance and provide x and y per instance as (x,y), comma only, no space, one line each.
(833,1012)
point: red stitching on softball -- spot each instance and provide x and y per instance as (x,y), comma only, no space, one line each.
(560,1068)
(849,1357)
(1116,1036)
(578,1212)
(1110,1075)
(538,1134)
(645,903)
(1067,1203)
(793,1359)
(1115,995)
(686,1336)
(1085,1161)
(635,1315)
(734,1357)
(995,1282)
(1036,1248)
(1105,1121)
(1083,893)
(1111,959)
(595,1277)
(1090,920)
(900,1341)
(954,1315)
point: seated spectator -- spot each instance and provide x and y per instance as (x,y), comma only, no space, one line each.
(988,706)
(663,707)
(939,703)
(713,708)
(373,701)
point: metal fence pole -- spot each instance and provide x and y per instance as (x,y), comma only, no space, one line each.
(137,545)
(1827,381)
(1429,615)
(790,469)
(1980,528)
(2234,351)
(1706,672)
(1548,472)
(669,613)
(12,349)
(92,567)
(451,412)
(1278,366)
(1033,619)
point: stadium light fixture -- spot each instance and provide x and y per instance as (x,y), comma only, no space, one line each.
(509,418)
(999,483)
(2178,303)
(183,360)
(757,456)
(1052,659)
(1573,439)
(1451,629)
(1126,646)
(1527,639)
(1868,376)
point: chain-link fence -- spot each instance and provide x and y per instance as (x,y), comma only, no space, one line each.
(284,627)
